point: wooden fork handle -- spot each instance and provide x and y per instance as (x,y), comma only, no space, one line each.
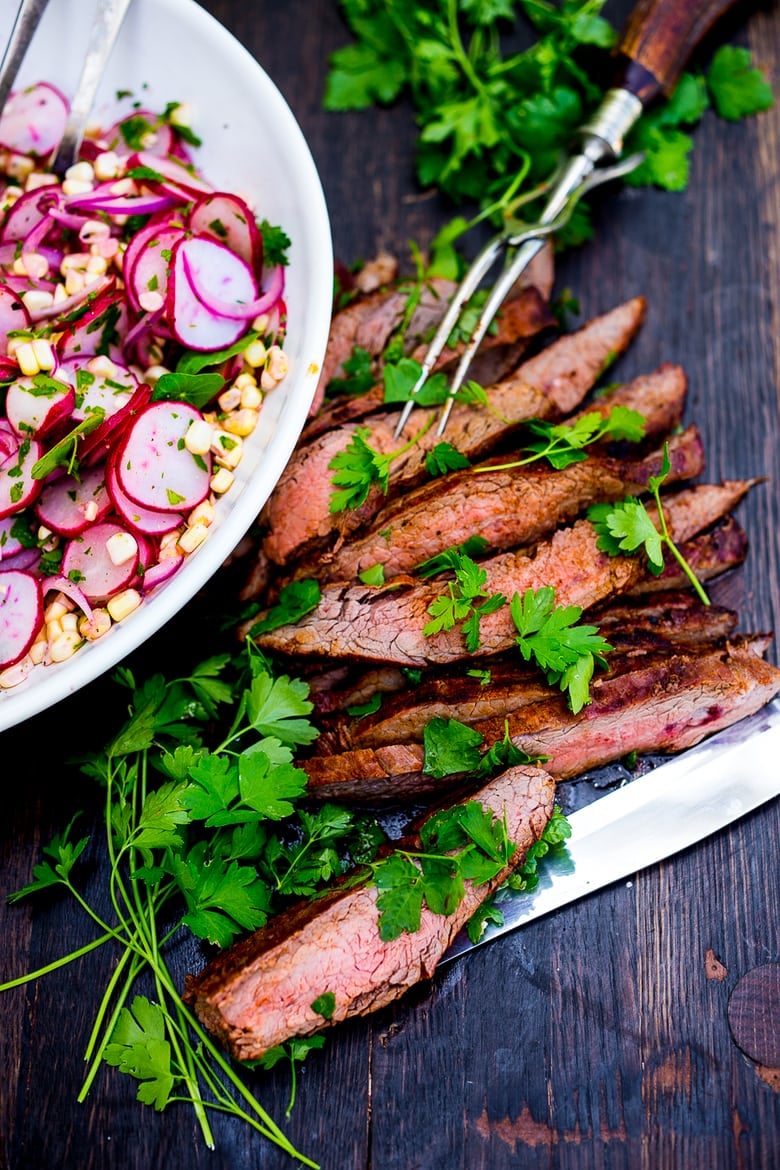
(657,40)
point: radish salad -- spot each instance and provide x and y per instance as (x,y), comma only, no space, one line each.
(142,321)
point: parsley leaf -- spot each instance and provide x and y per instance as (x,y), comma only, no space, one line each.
(562,444)
(549,637)
(737,88)
(138,1047)
(295,600)
(459,604)
(443,458)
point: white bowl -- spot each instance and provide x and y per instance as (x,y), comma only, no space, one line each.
(172,50)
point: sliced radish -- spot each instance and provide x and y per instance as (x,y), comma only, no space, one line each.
(227,219)
(25,214)
(13,315)
(154,467)
(173,172)
(33,120)
(99,330)
(161,571)
(9,544)
(108,391)
(18,489)
(87,562)
(36,406)
(161,136)
(69,505)
(192,323)
(151,523)
(98,444)
(146,268)
(21,614)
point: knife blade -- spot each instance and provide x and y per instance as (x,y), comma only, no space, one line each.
(652,818)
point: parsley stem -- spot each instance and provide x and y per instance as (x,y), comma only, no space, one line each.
(69,958)
(673,549)
(97,1058)
(107,995)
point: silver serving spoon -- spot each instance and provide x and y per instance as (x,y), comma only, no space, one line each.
(27,20)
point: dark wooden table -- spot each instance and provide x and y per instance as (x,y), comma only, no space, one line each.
(598,1036)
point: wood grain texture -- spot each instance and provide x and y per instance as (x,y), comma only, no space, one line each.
(596,1037)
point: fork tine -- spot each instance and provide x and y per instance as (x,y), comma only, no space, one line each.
(27,20)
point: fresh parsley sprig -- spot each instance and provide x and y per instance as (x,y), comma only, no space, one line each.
(548,635)
(460,605)
(628,527)
(562,444)
(360,467)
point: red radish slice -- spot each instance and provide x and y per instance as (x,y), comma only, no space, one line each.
(227,219)
(36,406)
(33,120)
(154,467)
(69,505)
(161,571)
(18,489)
(25,214)
(146,270)
(21,614)
(13,315)
(172,172)
(203,282)
(192,323)
(101,329)
(108,392)
(139,519)
(161,137)
(9,544)
(99,443)
(87,562)
(69,590)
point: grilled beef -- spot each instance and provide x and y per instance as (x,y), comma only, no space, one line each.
(667,703)
(260,992)
(386,625)
(521,318)
(507,508)
(297,516)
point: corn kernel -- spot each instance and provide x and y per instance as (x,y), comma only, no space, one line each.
(65,646)
(76,187)
(198,437)
(121,548)
(37,299)
(193,537)
(122,604)
(202,513)
(70,621)
(74,260)
(169,545)
(268,381)
(56,610)
(228,449)
(154,373)
(241,422)
(74,282)
(59,293)
(80,172)
(251,398)
(260,324)
(94,627)
(39,179)
(44,354)
(54,628)
(107,166)
(102,366)
(255,354)
(96,265)
(38,650)
(19,166)
(181,115)
(278,364)
(229,399)
(222,481)
(150,302)
(25,356)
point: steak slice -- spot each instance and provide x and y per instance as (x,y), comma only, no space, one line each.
(386,624)
(260,991)
(453,694)
(522,317)
(297,516)
(666,704)
(508,508)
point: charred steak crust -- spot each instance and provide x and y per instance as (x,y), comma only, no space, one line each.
(259,992)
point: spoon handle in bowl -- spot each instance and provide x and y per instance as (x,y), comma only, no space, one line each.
(27,20)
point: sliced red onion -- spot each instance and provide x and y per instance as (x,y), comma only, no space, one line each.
(122,204)
(60,308)
(234,310)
